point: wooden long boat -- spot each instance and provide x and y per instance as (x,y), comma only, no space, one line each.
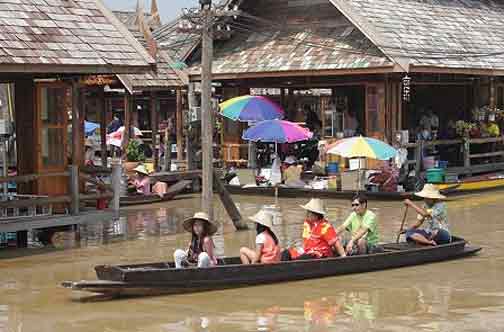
(289,192)
(472,185)
(173,191)
(163,278)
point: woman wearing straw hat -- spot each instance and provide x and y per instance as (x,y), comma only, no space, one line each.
(319,236)
(267,249)
(142,181)
(433,214)
(200,252)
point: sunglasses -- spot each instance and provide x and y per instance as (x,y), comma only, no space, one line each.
(355,204)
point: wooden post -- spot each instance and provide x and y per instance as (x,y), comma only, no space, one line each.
(493,100)
(229,205)
(103,125)
(128,101)
(22,239)
(74,189)
(76,149)
(189,145)
(418,157)
(167,157)
(180,126)
(467,154)
(116,185)
(206,114)
(154,127)
(76,135)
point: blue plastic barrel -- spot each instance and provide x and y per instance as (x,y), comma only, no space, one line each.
(333,168)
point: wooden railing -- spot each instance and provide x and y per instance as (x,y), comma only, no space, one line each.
(74,197)
(466,167)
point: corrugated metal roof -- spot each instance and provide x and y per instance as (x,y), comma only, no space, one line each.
(70,33)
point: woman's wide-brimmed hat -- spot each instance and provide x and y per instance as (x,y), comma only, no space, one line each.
(315,205)
(430,191)
(141,169)
(263,218)
(202,216)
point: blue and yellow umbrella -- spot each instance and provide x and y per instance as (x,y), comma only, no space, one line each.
(363,147)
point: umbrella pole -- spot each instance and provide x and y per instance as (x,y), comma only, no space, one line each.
(276,195)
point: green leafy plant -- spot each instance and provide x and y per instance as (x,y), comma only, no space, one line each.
(134,153)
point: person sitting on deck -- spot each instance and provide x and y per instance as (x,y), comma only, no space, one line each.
(292,173)
(363,228)
(267,249)
(201,248)
(319,236)
(434,214)
(142,181)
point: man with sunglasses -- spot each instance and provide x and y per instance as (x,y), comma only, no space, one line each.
(363,228)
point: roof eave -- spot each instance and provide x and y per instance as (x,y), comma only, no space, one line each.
(298,73)
(454,70)
(73,69)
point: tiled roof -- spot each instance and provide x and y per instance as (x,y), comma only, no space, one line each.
(74,35)
(128,18)
(164,77)
(178,44)
(465,34)
(315,36)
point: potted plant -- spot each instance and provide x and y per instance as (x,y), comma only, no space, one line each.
(134,156)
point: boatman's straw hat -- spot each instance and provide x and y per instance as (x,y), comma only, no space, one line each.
(430,191)
(263,218)
(141,169)
(315,205)
(189,222)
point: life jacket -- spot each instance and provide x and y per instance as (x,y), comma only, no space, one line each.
(270,252)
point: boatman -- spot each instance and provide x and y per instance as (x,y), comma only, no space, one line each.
(361,224)
(319,236)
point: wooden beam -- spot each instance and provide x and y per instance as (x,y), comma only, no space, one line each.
(229,204)
(180,126)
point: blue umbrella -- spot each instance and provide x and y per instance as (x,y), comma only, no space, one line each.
(90,127)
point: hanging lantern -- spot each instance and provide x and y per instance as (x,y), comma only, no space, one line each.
(406,88)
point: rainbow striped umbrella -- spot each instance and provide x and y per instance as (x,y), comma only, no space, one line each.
(363,147)
(251,109)
(277,131)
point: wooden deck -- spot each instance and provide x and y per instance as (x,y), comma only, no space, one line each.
(26,224)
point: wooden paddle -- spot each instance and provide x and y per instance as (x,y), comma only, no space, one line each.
(402,224)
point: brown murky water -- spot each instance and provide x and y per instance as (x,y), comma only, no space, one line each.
(463,295)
